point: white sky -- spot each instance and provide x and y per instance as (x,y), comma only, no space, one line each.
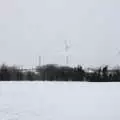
(29,28)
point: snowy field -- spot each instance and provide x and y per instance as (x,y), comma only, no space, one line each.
(59,101)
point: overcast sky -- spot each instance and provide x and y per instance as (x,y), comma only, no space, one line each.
(29,28)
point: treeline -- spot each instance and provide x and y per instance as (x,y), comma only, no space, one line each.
(53,72)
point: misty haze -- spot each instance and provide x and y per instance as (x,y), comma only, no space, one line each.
(59,59)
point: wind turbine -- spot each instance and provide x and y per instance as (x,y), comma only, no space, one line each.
(67,47)
(39,60)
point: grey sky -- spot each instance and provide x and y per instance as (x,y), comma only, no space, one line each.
(29,28)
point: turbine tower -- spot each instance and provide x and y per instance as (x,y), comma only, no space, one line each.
(39,61)
(67,47)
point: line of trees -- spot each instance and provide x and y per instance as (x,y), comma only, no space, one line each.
(53,72)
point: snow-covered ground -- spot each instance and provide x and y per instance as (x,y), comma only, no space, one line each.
(59,101)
